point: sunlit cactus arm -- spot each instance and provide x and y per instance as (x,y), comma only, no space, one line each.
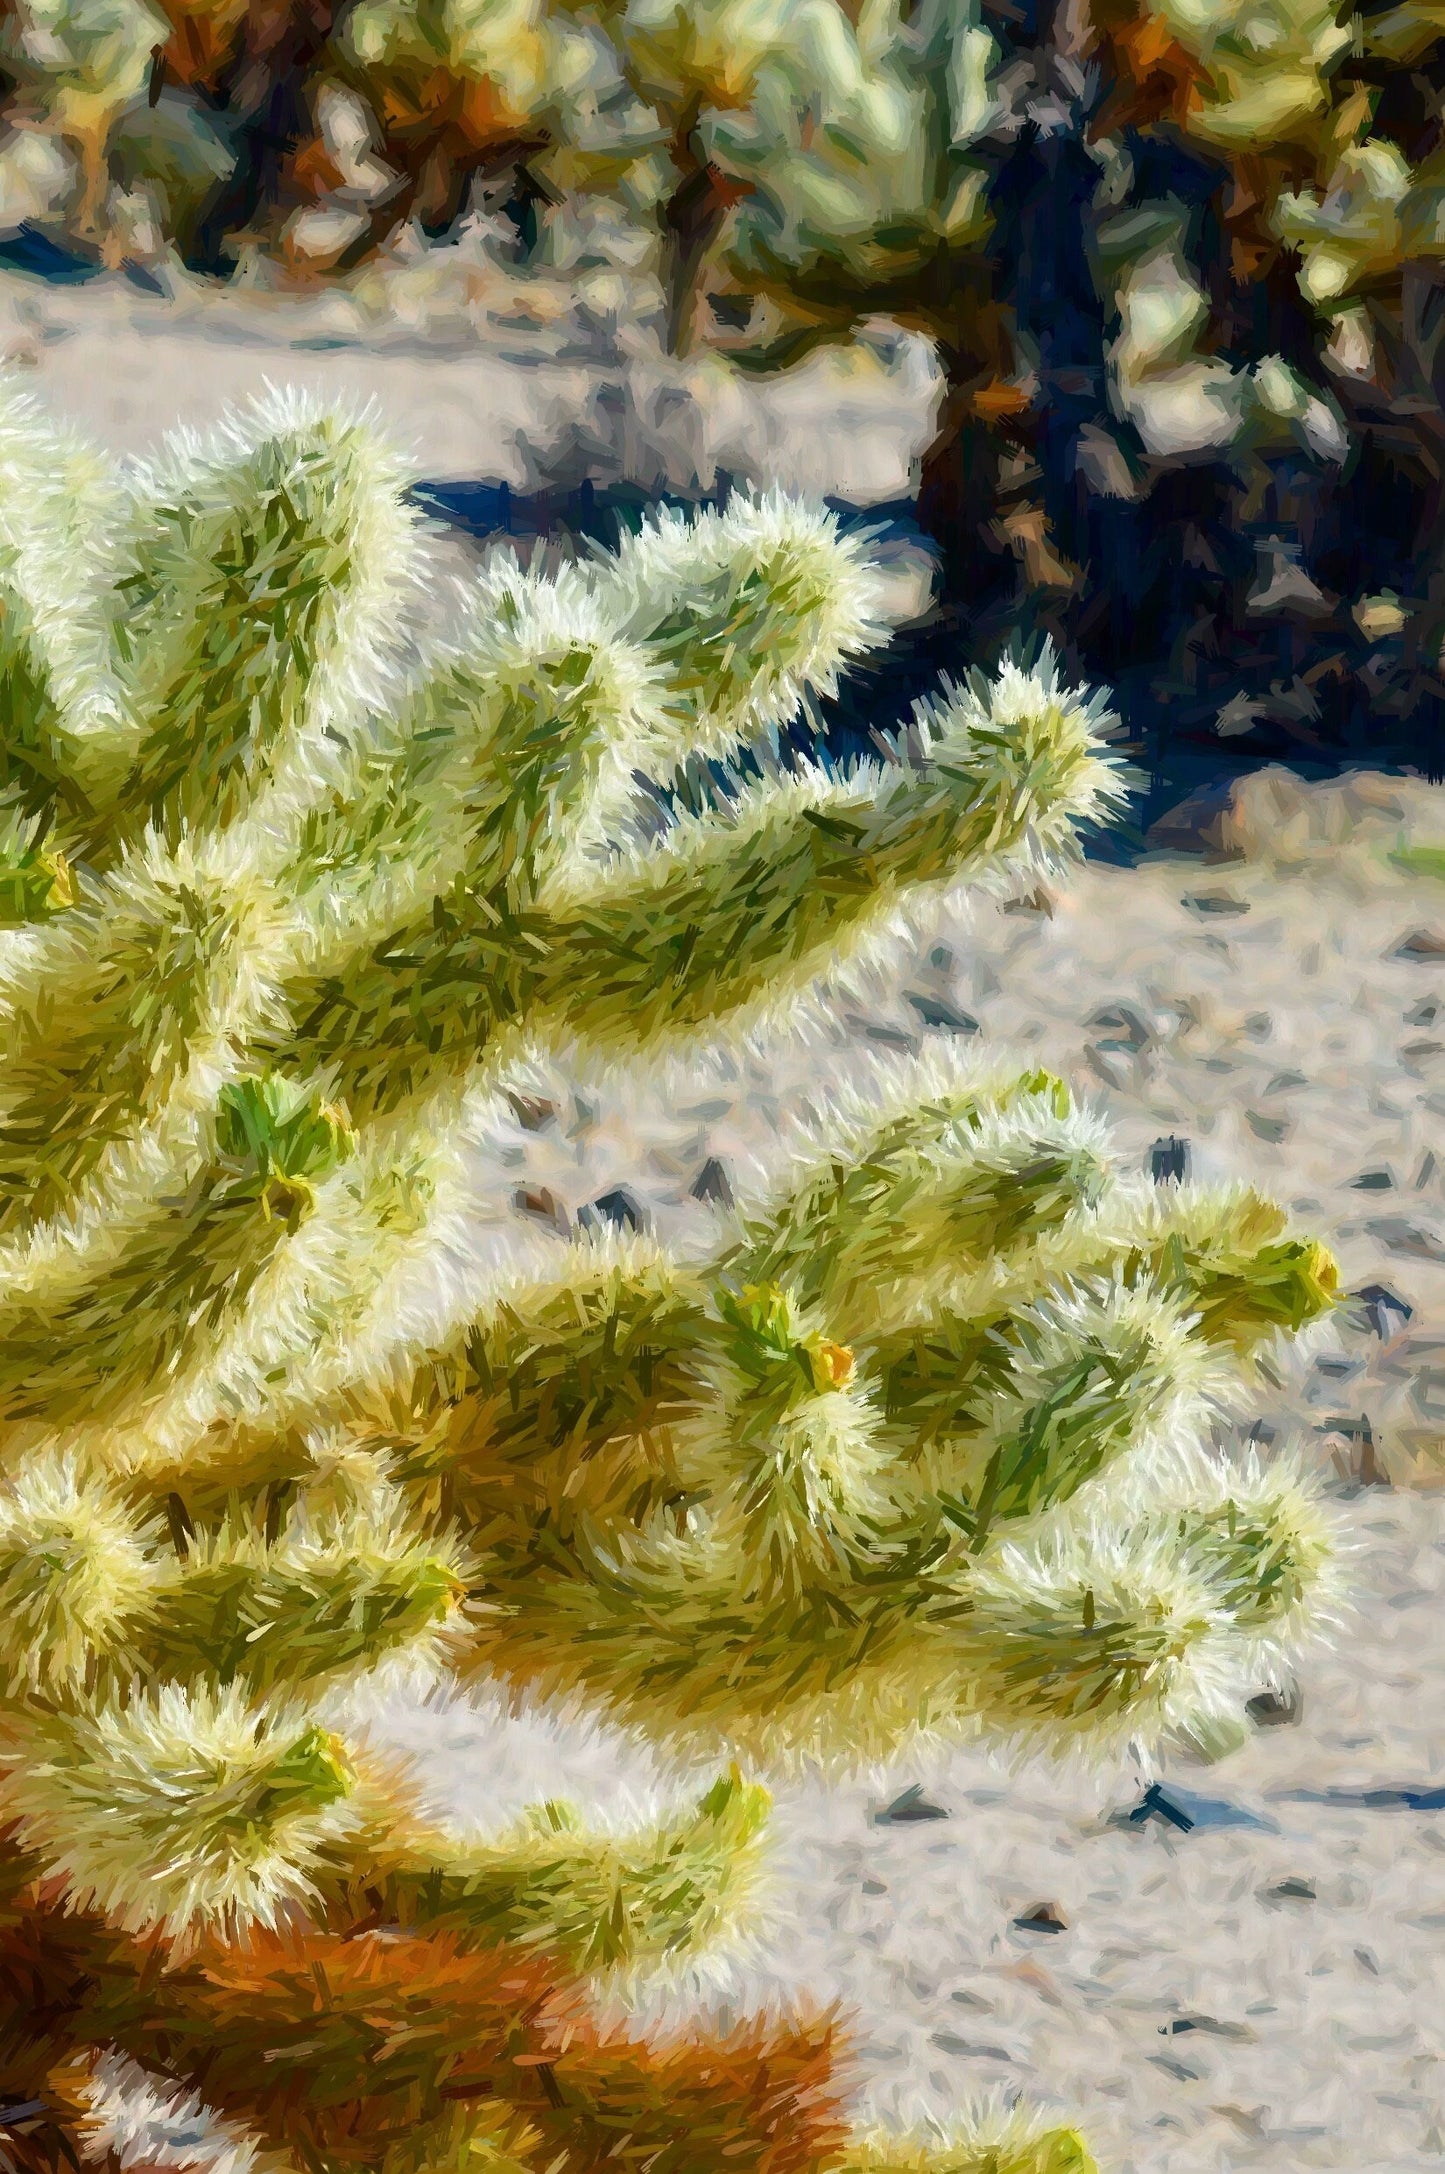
(419,890)
(804,1566)
(1069,1390)
(784,1462)
(596,1901)
(98,1590)
(557,1350)
(764,899)
(697,635)
(77,1565)
(1086,1647)
(935,1176)
(802,870)
(184,1807)
(266,569)
(72,1034)
(1228,1253)
(304,1611)
(751,609)
(991,2142)
(97,1307)
(1093,1639)
(563,1391)
(331,1314)
(1269,1545)
(535,705)
(567,1387)
(67,732)
(1219,1259)
(253,609)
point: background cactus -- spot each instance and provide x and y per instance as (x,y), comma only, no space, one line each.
(1182,266)
(917,1447)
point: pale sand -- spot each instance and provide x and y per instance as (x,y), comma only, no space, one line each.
(1290,1045)
(530,412)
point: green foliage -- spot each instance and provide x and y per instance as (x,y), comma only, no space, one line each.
(918,1451)
(1422,860)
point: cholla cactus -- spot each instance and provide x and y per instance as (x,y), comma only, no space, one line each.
(916,1449)
(75,70)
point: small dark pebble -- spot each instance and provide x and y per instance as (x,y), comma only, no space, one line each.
(1219,902)
(1169,1159)
(617,1208)
(906,1810)
(1421,943)
(1372,1181)
(946,2042)
(543,1207)
(1182,1809)
(875,1887)
(1042,1917)
(1210,2025)
(1275,1709)
(890,1037)
(1154,1804)
(1181,2070)
(1290,1890)
(1121,1028)
(1366,1469)
(1385,1312)
(712,1185)
(934,1011)
(1406,1238)
(533,1112)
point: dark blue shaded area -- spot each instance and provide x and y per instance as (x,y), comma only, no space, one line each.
(604,513)
(1184,1811)
(909,1809)
(1369,1800)
(30,250)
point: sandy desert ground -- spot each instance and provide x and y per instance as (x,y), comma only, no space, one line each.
(527,410)
(1264,1990)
